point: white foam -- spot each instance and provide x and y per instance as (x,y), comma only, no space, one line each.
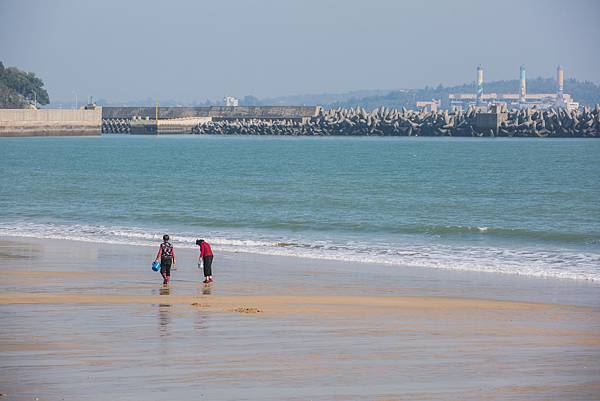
(569,264)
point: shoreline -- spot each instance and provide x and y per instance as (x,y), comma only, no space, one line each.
(380,279)
(447,256)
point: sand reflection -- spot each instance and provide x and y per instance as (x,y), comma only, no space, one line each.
(164,311)
(206,289)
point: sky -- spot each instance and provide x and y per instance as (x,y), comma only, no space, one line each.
(194,50)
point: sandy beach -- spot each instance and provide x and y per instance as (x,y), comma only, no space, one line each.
(91,321)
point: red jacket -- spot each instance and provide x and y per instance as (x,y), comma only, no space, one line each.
(205,249)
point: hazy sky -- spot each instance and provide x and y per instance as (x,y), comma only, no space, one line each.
(186,49)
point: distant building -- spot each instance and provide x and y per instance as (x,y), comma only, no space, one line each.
(231,101)
(520,100)
(461,101)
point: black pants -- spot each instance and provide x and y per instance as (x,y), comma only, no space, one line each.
(165,265)
(207,261)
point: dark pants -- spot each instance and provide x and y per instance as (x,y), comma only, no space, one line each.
(207,261)
(165,266)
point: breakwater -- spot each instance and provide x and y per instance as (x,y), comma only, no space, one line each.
(120,120)
(393,122)
(49,122)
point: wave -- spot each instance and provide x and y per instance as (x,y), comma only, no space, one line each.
(445,231)
(514,233)
(527,261)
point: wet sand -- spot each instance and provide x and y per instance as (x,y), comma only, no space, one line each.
(91,321)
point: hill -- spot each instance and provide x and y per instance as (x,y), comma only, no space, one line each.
(584,92)
(17,87)
(587,93)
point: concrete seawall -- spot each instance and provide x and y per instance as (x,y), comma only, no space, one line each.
(183,125)
(272,112)
(110,112)
(50,122)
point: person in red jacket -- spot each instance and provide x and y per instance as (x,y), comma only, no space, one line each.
(166,255)
(206,256)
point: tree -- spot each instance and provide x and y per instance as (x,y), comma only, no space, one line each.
(17,86)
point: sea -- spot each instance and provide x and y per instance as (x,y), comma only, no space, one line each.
(520,206)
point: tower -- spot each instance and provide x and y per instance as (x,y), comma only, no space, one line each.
(560,77)
(479,85)
(522,86)
(560,100)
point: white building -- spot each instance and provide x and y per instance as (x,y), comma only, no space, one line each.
(231,101)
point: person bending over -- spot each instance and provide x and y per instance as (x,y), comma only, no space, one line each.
(166,255)
(206,257)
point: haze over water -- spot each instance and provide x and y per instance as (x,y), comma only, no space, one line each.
(515,206)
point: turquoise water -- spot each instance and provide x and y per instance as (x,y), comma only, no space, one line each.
(521,206)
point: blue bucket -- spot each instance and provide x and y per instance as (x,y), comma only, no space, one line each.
(155,266)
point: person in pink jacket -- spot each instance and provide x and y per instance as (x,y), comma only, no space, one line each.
(206,257)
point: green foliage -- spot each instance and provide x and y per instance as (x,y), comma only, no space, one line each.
(17,86)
